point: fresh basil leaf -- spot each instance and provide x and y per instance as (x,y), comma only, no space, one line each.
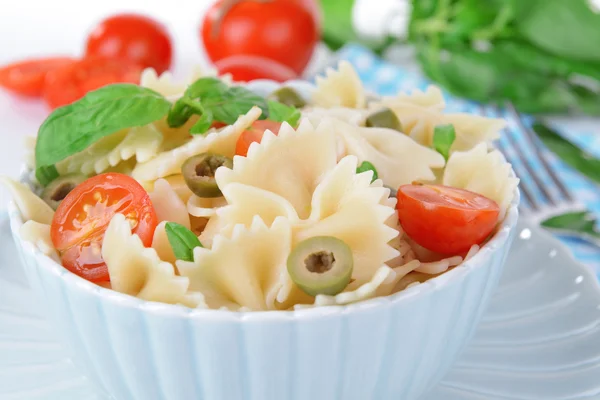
(46,174)
(569,29)
(367,166)
(227,107)
(210,95)
(182,240)
(203,124)
(568,152)
(202,86)
(71,129)
(279,112)
(443,138)
(582,222)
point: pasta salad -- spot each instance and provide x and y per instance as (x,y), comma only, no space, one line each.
(208,195)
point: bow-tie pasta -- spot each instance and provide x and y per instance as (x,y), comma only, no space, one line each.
(484,172)
(168,205)
(432,98)
(248,269)
(39,235)
(218,142)
(32,208)
(340,88)
(399,160)
(137,270)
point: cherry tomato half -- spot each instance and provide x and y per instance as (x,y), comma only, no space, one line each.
(27,77)
(285,31)
(132,37)
(444,219)
(83,216)
(71,82)
(245,68)
(255,134)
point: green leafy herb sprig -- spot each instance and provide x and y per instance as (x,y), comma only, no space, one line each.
(182,240)
(75,127)
(542,55)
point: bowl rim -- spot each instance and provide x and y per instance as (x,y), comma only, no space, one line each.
(459,273)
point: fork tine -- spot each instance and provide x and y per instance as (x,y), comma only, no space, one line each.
(532,137)
(531,200)
(529,166)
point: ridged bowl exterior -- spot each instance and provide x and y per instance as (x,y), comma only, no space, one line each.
(389,348)
(394,347)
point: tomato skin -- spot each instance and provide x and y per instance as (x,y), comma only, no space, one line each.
(444,219)
(70,83)
(82,218)
(255,134)
(285,31)
(132,37)
(27,77)
(248,68)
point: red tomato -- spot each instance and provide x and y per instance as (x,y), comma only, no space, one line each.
(27,77)
(132,37)
(285,31)
(81,220)
(69,83)
(444,219)
(248,68)
(255,134)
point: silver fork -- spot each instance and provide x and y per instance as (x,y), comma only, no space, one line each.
(556,199)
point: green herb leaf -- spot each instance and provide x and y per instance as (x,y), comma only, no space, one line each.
(571,154)
(203,124)
(71,129)
(279,112)
(582,222)
(212,96)
(46,174)
(182,240)
(443,138)
(367,166)
(566,28)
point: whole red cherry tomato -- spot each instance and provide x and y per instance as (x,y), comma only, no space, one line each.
(285,31)
(27,77)
(132,37)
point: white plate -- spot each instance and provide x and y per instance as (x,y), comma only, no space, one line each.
(539,340)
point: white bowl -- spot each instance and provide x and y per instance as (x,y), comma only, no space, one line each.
(393,347)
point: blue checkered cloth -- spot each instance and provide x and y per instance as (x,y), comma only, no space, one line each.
(385,78)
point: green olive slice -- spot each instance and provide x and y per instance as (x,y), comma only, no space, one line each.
(384,118)
(288,96)
(321,265)
(199,173)
(59,188)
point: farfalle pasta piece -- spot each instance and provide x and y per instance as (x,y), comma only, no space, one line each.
(366,291)
(483,172)
(204,207)
(39,235)
(419,123)
(398,159)
(161,244)
(137,270)
(248,269)
(32,208)
(353,116)
(141,143)
(340,87)
(432,98)
(168,205)
(290,165)
(218,142)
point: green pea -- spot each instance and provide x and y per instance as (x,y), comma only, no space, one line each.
(321,265)
(199,173)
(384,118)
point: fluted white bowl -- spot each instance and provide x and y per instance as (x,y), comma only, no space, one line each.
(393,347)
